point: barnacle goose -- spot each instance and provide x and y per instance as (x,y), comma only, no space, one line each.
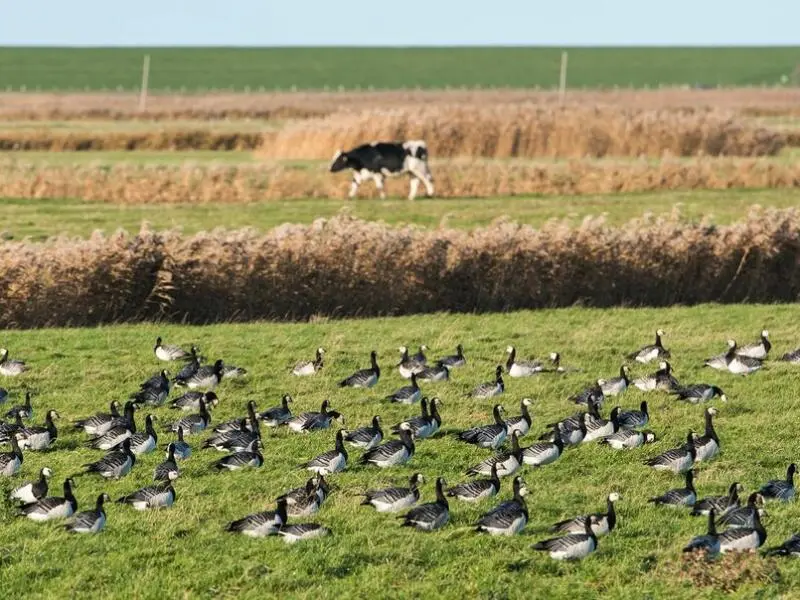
(408,365)
(792,357)
(154,391)
(490,389)
(169,352)
(278,415)
(790,547)
(522,422)
(10,462)
(487,436)
(191,400)
(407,394)
(429,516)
(660,380)
(364,378)
(9,367)
(719,504)
(195,423)
(309,367)
(190,368)
(90,521)
(543,453)
(427,423)
(331,461)
(38,437)
(366,437)
(524,368)
(438,372)
(232,372)
(601,523)
(592,394)
(699,392)
(508,518)
(261,524)
(307,500)
(32,491)
(454,360)
(707,446)
(121,430)
(297,532)
(144,441)
(167,470)
(115,464)
(759,349)
(677,460)
(25,411)
(305,420)
(780,489)
(740,365)
(393,452)
(181,448)
(708,543)
(507,462)
(99,423)
(206,377)
(617,385)
(249,457)
(239,423)
(740,539)
(625,439)
(651,352)
(573,546)
(600,428)
(394,499)
(744,516)
(679,497)
(570,434)
(557,367)
(634,419)
(9,430)
(477,489)
(52,507)
(160,495)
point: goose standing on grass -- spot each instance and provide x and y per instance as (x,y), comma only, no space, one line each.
(660,380)
(9,367)
(487,436)
(366,437)
(115,464)
(297,532)
(634,419)
(25,411)
(391,453)
(249,457)
(601,523)
(679,497)
(524,368)
(708,543)
(425,425)
(122,430)
(477,489)
(508,518)
(507,462)
(573,546)
(454,360)
(193,424)
(181,448)
(278,415)
(154,391)
(743,539)
(598,429)
(543,453)
(790,547)
(39,437)
(160,495)
(364,378)
(490,389)
(305,368)
(438,372)
(708,445)
(625,439)
(429,516)
(206,377)
(521,423)
(740,365)
(408,365)
(699,392)
(99,423)
(677,460)
(719,504)
(408,394)
(260,524)
(32,491)
(191,400)
(144,441)
(758,350)
(593,394)
(169,353)
(617,385)
(53,507)
(331,461)
(651,352)
(780,489)
(394,499)
(90,521)
(167,470)
(744,516)
(10,462)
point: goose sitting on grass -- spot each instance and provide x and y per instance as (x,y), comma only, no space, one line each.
(364,378)
(521,368)
(758,350)
(573,546)
(490,389)
(304,368)
(10,367)
(652,351)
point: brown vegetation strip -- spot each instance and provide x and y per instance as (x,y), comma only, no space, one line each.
(130,184)
(348,267)
(60,106)
(59,141)
(529,131)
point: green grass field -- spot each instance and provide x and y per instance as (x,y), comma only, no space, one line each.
(388,68)
(183,551)
(39,219)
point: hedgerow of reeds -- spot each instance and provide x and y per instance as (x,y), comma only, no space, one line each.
(345,266)
(132,184)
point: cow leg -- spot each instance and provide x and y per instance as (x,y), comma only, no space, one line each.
(354,185)
(378,178)
(413,186)
(422,172)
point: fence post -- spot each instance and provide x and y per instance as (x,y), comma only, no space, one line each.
(562,83)
(145,79)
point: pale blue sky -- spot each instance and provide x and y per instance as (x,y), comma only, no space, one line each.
(401,22)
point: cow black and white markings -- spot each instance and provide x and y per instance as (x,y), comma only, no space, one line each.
(379,160)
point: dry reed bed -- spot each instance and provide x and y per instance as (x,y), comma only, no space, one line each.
(348,267)
(62,106)
(131,184)
(169,139)
(529,131)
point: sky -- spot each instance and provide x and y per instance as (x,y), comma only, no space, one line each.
(398,22)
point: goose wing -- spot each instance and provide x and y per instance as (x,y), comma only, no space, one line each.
(393,450)
(485,435)
(425,514)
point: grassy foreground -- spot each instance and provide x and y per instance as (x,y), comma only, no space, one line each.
(42,218)
(183,552)
(390,68)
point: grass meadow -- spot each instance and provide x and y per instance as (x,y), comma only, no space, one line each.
(184,552)
(203,69)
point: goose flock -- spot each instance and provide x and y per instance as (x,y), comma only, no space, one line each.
(192,395)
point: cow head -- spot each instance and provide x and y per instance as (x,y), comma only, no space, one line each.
(339,162)
(416,149)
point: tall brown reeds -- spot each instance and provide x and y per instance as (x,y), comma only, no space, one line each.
(169,139)
(129,184)
(346,267)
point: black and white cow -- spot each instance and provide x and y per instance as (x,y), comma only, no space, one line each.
(378,160)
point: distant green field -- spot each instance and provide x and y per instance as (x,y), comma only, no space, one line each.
(314,68)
